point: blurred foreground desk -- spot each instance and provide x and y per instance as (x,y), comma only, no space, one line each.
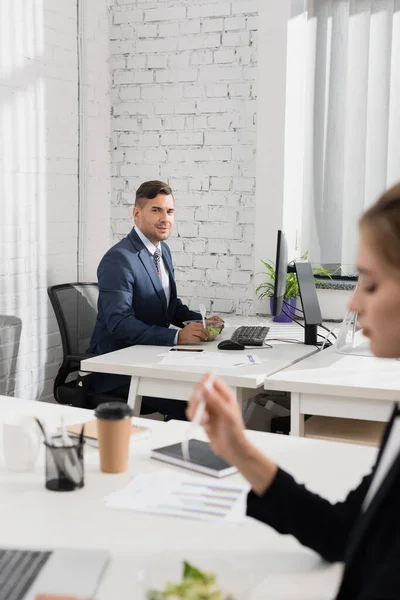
(31,516)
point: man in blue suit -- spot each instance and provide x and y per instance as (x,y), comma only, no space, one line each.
(137,294)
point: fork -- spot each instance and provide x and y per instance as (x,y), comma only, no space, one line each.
(203,311)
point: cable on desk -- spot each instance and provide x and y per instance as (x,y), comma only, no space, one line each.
(301,325)
(292,319)
(299,310)
(325,338)
(288,341)
(330,331)
(258,347)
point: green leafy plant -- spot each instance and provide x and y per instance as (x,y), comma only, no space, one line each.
(292,287)
(195,585)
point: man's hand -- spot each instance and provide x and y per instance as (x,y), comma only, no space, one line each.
(192,333)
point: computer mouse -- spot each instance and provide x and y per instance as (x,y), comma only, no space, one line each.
(230,345)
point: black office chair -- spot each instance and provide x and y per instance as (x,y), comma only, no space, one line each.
(75,308)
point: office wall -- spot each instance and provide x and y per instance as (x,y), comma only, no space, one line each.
(39,179)
(184,110)
(94,177)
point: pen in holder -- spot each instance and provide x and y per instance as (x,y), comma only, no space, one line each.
(64,464)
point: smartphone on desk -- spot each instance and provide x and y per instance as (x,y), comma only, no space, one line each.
(186,349)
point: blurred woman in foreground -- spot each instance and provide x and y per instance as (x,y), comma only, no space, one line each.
(363,531)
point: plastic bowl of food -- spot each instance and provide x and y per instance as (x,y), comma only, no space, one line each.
(213,329)
(197,577)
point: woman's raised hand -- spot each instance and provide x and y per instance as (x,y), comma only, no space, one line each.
(222,418)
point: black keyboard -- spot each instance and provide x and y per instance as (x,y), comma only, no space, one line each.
(18,570)
(250,336)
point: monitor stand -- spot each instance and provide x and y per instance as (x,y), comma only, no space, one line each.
(309,301)
(311,337)
(310,334)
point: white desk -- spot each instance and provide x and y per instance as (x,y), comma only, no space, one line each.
(32,516)
(150,378)
(339,385)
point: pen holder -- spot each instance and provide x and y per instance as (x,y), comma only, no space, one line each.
(64,465)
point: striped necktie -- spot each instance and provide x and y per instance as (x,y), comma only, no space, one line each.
(157,261)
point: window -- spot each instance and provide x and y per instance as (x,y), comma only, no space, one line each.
(342,122)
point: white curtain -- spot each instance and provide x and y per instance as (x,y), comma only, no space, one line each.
(342,139)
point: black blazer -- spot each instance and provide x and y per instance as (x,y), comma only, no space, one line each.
(368,542)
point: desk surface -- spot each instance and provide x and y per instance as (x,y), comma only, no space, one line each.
(144,361)
(336,374)
(284,569)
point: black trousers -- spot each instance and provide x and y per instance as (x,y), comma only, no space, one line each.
(171,409)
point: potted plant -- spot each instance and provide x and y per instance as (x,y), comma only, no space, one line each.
(291,291)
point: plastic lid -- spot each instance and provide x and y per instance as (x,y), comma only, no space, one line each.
(113,411)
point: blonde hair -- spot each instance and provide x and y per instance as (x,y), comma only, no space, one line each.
(381,224)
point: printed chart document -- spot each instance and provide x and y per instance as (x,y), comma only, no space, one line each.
(168,493)
(210,359)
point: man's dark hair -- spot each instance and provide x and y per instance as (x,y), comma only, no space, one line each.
(149,190)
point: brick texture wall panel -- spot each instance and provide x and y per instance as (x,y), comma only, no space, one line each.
(193,65)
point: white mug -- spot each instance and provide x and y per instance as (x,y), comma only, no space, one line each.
(21,443)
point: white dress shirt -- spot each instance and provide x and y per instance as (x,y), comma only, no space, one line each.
(388,457)
(164,273)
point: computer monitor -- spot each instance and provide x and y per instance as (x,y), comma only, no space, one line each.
(281,265)
(308,292)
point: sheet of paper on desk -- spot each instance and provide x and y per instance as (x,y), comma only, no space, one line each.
(165,492)
(209,359)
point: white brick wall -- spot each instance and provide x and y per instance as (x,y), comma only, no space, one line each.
(95,219)
(38,183)
(184,110)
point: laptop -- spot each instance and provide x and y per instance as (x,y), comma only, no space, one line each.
(24,574)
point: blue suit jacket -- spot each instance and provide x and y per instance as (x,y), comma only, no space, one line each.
(132,306)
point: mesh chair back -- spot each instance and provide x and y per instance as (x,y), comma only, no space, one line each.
(75,307)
